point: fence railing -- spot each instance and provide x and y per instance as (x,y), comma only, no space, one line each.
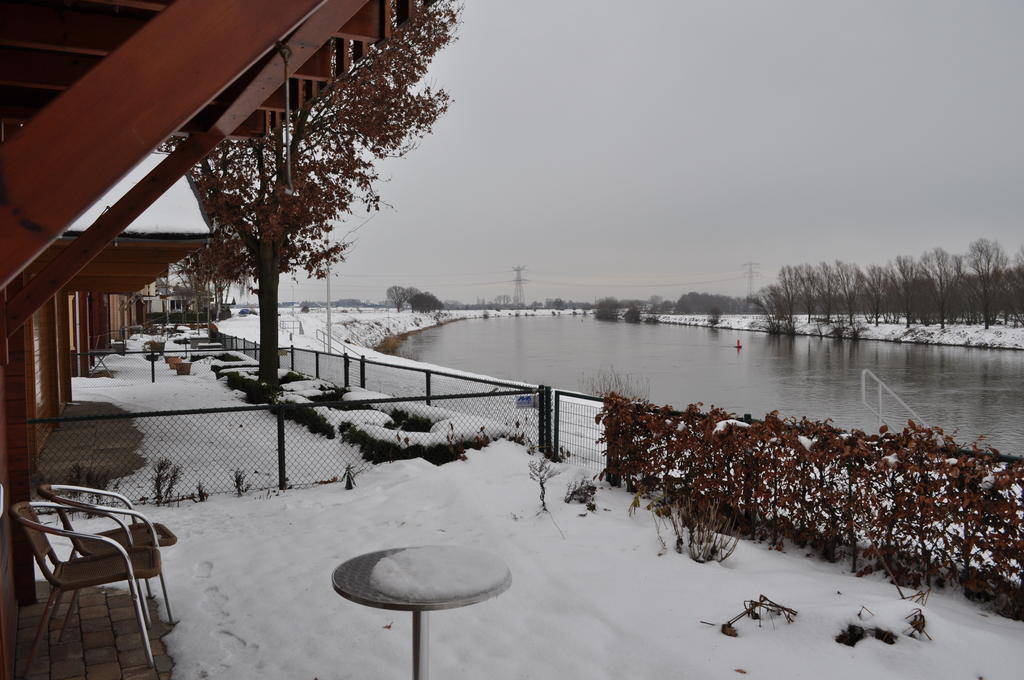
(165,456)
(557,420)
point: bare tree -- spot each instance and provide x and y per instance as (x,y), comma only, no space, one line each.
(1015,288)
(941,272)
(906,276)
(873,285)
(808,277)
(399,295)
(828,289)
(987,261)
(847,277)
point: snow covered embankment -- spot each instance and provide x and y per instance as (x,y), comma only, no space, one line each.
(997,337)
(356,326)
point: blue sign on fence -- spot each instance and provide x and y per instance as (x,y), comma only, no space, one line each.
(526,401)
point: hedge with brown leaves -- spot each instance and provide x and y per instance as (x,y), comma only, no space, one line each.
(912,503)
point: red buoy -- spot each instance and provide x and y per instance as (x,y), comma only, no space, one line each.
(738,346)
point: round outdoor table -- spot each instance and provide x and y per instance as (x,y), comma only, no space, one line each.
(351,580)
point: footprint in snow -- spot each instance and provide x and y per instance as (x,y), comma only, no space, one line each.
(203,569)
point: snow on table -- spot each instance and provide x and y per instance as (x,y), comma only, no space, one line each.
(438,573)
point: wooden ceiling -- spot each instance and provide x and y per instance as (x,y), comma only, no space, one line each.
(47,45)
(126,267)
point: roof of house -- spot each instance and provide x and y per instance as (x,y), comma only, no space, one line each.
(176,216)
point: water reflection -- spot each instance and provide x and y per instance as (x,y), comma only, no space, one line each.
(974,390)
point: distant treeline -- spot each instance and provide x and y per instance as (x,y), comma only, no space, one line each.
(611,309)
(982,286)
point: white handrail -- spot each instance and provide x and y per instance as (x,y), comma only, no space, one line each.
(864,375)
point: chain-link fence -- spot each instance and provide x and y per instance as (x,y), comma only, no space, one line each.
(170,455)
(111,368)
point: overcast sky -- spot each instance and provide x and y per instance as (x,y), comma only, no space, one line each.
(655,146)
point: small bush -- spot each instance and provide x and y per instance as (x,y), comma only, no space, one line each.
(291,376)
(541,472)
(582,491)
(179,341)
(241,486)
(632,314)
(627,385)
(165,478)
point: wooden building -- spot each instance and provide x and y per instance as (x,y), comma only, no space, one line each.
(88,89)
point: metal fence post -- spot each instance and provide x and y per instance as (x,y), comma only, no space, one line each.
(427,373)
(345,359)
(282,478)
(541,418)
(293,356)
(554,425)
(317,353)
(152,370)
(362,371)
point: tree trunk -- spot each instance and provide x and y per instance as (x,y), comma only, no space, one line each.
(268,279)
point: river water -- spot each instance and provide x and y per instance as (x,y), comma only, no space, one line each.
(976,391)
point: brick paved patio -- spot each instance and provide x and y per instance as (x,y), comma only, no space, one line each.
(102,641)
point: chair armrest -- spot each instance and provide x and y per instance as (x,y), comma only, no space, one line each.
(93,510)
(95,492)
(135,515)
(68,533)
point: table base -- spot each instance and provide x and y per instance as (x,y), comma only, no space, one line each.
(420,646)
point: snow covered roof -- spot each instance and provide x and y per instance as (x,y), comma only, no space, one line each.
(177,215)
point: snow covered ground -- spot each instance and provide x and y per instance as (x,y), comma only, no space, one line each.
(997,337)
(591,597)
(357,327)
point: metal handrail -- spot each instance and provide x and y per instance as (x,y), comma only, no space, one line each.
(864,375)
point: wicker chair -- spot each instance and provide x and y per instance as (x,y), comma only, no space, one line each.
(119,564)
(142,531)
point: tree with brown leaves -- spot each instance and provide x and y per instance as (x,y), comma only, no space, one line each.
(274,200)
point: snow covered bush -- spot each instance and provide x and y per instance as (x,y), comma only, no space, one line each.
(383,445)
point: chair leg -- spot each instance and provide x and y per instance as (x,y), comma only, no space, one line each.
(67,617)
(52,603)
(167,602)
(145,605)
(149,591)
(137,599)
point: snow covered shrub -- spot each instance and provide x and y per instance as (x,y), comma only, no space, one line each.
(201,494)
(165,477)
(314,421)
(241,485)
(582,491)
(541,471)
(400,446)
(402,420)
(256,392)
(911,503)
(326,394)
(632,314)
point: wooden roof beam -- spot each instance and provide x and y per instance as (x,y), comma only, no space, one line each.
(124,107)
(65,30)
(367,25)
(42,70)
